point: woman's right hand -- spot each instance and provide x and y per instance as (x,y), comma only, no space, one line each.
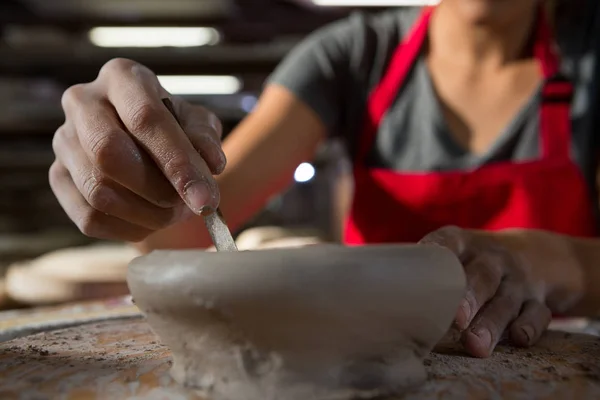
(124,167)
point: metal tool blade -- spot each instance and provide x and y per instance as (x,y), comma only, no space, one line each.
(219,232)
(215,223)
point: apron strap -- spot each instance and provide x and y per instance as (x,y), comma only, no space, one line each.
(382,97)
(557,94)
(555,117)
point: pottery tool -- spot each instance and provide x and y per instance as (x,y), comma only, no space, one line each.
(214,221)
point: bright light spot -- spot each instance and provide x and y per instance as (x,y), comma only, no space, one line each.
(374,3)
(189,84)
(304,173)
(153,37)
(248,103)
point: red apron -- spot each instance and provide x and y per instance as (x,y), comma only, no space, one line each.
(547,193)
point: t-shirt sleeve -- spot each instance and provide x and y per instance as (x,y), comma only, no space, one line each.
(319,71)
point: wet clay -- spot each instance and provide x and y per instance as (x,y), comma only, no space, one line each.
(320,322)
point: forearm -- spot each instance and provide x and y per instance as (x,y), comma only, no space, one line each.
(568,266)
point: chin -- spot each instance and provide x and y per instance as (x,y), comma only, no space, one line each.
(492,11)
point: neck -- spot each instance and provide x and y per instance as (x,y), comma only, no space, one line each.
(477,41)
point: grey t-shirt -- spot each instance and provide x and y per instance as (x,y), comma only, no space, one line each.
(334,70)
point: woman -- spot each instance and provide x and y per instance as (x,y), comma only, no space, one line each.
(457,115)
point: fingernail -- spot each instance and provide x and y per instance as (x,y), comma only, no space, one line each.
(197,196)
(529,332)
(485,336)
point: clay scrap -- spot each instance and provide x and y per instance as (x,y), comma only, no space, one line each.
(323,322)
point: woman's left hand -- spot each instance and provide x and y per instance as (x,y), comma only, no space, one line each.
(503,293)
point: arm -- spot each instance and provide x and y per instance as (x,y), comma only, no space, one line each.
(262,154)
(299,107)
(132,173)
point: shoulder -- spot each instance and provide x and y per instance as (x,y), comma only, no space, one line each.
(386,25)
(365,41)
(334,68)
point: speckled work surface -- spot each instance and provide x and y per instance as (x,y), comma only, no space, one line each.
(123,359)
(20,323)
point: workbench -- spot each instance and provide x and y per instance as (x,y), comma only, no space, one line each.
(105,350)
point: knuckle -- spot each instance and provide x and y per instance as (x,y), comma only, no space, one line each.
(115,66)
(142,116)
(106,148)
(97,192)
(471,297)
(89,222)
(62,136)
(448,236)
(177,169)
(55,174)
(57,140)
(73,95)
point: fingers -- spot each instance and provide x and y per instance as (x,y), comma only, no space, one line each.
(124,164)
(90,222)
(500,293)
(529,326)
(135,93)
(204,131)
(484,275)
(481,337)
(103,194)
(110,149)
(482,281)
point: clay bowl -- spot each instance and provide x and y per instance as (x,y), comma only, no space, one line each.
(319,322)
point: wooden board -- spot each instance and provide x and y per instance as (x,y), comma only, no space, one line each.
(123,359)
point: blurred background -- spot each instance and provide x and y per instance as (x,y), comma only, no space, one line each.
(214,52)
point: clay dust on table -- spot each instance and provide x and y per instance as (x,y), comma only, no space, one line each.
(124,360)
(561,366)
